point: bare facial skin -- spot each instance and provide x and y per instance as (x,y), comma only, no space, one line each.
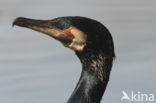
(78,42)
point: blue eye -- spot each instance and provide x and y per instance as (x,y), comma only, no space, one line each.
(66,25)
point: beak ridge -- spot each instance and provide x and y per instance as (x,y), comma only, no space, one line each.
(26,22)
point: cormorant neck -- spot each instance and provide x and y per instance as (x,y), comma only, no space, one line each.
(96,67)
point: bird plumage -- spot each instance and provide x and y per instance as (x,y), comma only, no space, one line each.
(92,43)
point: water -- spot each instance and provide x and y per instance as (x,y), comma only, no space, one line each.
(35,68)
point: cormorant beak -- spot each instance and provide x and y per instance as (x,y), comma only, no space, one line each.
(45,26)
(72,37)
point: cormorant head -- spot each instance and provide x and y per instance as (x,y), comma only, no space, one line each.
(77,33)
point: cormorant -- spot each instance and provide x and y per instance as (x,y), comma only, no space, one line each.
(92,43)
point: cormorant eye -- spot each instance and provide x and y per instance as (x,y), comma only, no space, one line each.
(66,25)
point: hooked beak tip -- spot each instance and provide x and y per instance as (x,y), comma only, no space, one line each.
(18,21)
(14,22)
